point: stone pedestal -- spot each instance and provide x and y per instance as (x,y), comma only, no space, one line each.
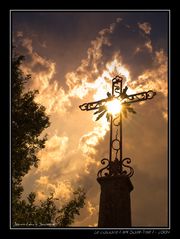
(115,204)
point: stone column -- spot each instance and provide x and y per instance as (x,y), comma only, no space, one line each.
(115,204)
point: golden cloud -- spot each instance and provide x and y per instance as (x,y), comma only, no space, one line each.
(27,43)
(53,153)
(61,190)
(19,34)
(148,45)
(145,26)
(90,208)
(155,78)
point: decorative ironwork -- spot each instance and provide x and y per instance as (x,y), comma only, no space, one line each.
(147,95)
(94,105)
(116,165)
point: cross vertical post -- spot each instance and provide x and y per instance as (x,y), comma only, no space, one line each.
(120,126)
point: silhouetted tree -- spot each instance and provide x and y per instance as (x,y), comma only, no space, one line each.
(28,122)
(47,214)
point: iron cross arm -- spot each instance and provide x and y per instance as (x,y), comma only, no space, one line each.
(146,95)
(95,105)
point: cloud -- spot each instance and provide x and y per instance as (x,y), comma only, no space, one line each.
(88,71)
(88,144)
(119,19)
(27,43)
(42,71)
(76,81)
(148,45)
(155,79)
(90,208)
(53,153)
(61,190)
(19,34)
(145,27)
(44,44)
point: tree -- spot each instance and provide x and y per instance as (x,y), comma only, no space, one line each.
(28,122)
(47,214)
(67,213)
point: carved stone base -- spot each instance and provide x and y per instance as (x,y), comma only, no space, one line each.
(115,205)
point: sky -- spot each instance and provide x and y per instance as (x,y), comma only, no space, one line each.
(72,58)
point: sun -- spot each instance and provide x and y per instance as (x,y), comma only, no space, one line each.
(114,107)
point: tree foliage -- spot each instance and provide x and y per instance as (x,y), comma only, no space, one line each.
(28,122)
(68,212)
(47,214)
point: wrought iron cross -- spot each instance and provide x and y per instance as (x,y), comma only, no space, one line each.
(116,164)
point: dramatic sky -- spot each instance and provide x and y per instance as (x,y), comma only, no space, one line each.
(72,57)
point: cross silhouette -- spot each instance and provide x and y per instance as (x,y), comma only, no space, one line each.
(116,164)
